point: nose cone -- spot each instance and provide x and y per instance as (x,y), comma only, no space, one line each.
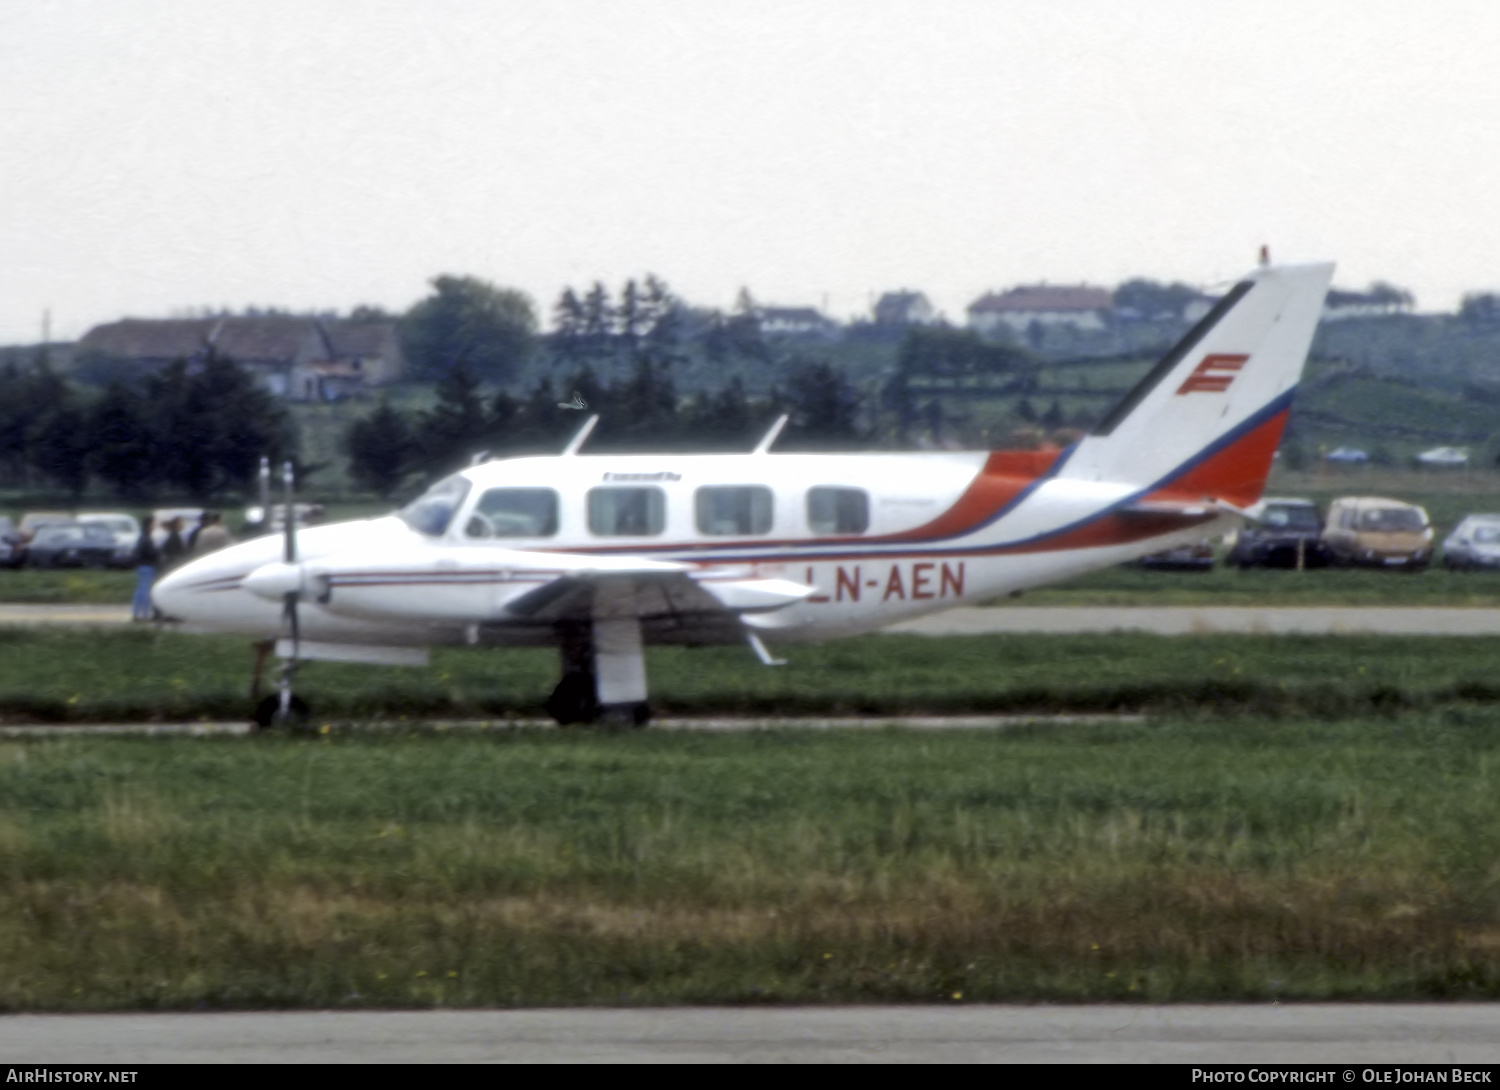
(178,595)
(209,592)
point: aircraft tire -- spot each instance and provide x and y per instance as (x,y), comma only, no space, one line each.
(625,716)
(267,708)
(573,700)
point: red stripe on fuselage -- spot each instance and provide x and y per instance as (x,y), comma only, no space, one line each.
(1006,474)
(1235,474)
(1111,529)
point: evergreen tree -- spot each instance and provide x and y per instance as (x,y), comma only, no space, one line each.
(123,450)
(824,406)
(644,406)
(380,450)
(456,428)
(212,424)
(60,449)
(568,343)
(721,421)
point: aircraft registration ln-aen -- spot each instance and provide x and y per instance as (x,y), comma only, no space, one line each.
(602,554)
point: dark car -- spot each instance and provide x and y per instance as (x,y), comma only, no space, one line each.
(1282,533)
(73,545)
(1195,556)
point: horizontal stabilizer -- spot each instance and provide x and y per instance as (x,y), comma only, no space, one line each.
(1157,508)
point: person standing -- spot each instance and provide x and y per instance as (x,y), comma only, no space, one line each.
(146,558)
(211,534)
(173,549)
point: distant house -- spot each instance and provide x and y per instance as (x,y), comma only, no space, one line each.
(1376,303)
(1080,306)
(796,323)
(898,309)
(298,358)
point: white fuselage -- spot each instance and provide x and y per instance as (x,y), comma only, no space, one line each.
(877,538)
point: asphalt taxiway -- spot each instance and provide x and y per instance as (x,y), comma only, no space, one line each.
(1344,1038)
(985,620)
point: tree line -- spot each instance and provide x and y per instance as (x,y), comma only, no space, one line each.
(638,411)
(195,429)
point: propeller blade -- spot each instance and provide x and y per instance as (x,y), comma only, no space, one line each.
(263,481)
(294,629)
(289,610)
(291,514)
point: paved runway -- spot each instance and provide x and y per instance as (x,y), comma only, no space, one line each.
(1198,620)
(977,621)
(1344,1036)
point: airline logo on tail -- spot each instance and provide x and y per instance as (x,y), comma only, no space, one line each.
(1213,375)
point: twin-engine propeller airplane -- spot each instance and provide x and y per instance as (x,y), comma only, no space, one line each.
(601,554)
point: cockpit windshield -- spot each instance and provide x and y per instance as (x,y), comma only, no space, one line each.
(432,511)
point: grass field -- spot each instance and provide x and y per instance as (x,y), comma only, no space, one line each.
(141,675)
(1178,859)
(1292,818)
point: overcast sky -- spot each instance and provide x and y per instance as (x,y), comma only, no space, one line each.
(159,156)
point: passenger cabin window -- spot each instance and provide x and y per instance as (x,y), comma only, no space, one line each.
(733,510)
(627,512)
(838,510)
(514,512)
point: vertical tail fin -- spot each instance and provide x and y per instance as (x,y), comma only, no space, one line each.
(1205,421)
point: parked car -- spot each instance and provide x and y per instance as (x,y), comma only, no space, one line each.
(1474,543)
(1443,457)
(1282,533)
(70,545)
(126,530)
(32,521)
(1378,532)
(190,517)
(1194,556)
(1351,456)
(307,514)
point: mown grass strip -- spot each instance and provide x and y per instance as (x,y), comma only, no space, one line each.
(1162,861)
(140,674)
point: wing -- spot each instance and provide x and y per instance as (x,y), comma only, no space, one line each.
(516,595)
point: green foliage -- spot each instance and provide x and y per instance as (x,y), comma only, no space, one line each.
(824,407)
(448,436)
(1153,301)
(468,323)
(1480,308)
(380,448)
(132,675)
(210,426)
(1167,861)
(121,442)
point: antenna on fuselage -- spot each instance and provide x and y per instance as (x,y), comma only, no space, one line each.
(764,446)
(583,434)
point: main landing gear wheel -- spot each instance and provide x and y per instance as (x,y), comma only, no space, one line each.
(573,700)
(268,711)
(625,716)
